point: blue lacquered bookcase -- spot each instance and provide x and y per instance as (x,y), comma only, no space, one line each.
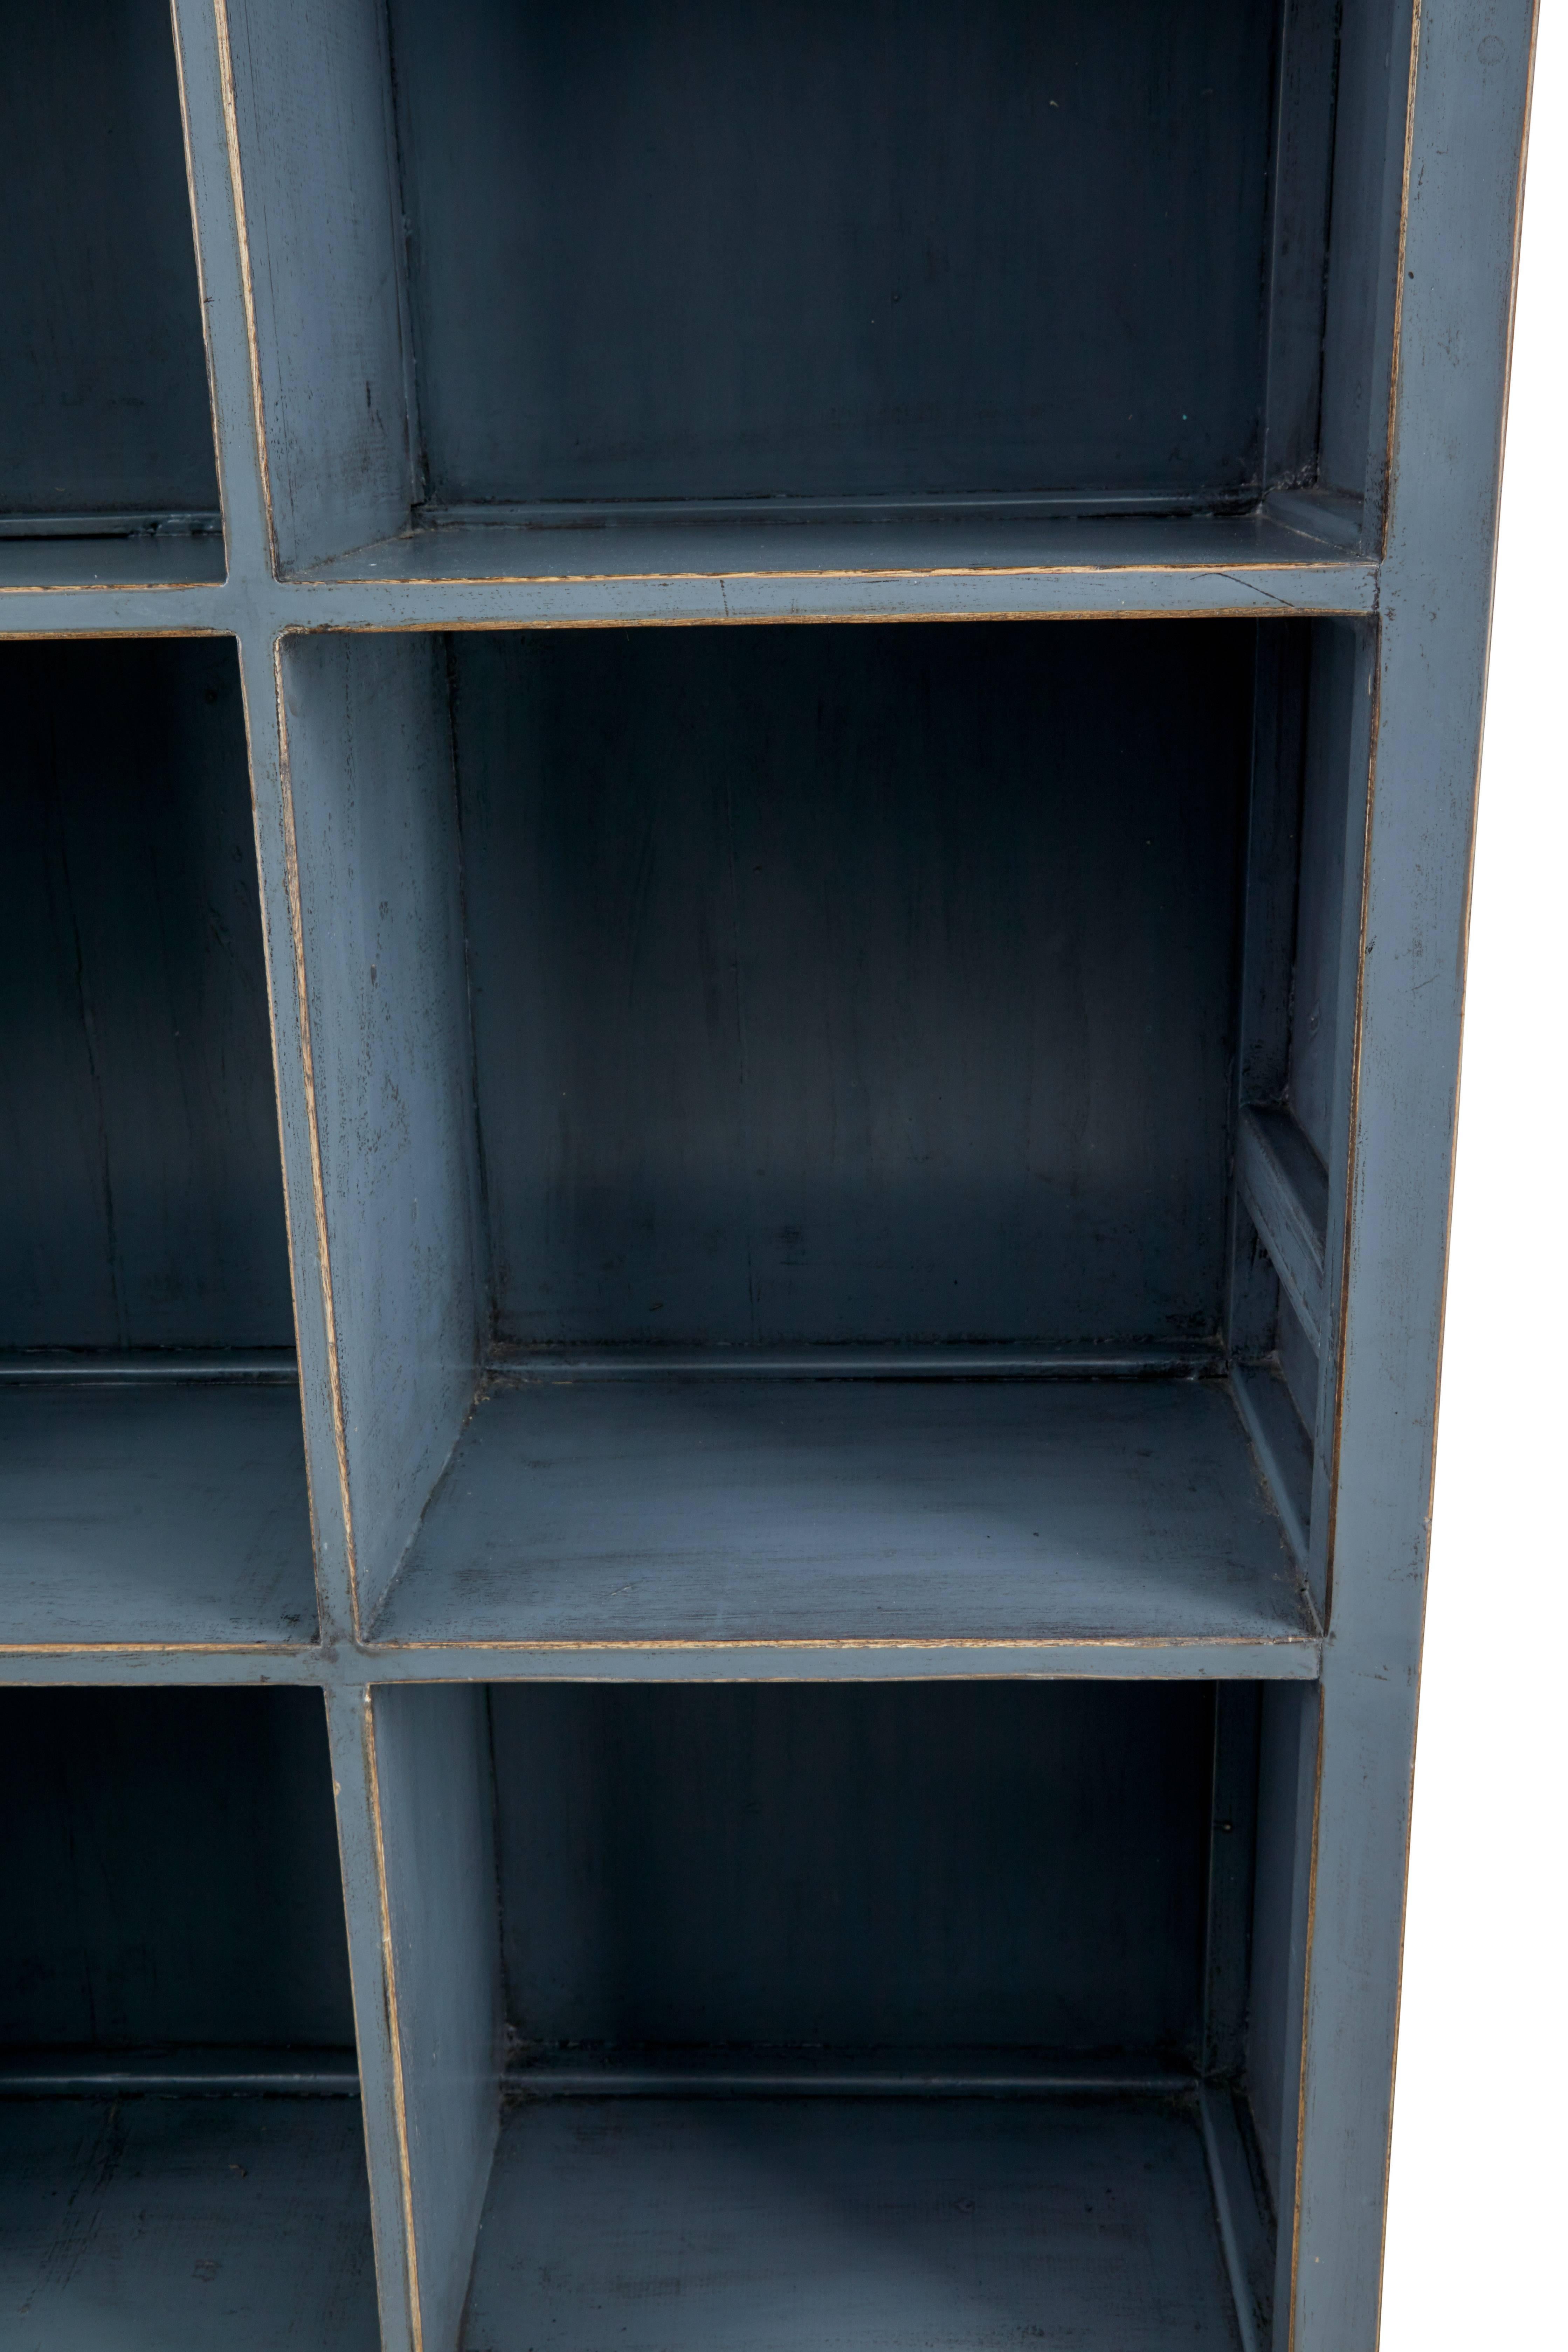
(741,755)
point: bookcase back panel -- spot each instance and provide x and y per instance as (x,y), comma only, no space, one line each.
(170,1868)
(902,246)
(854,984)
(141,1202)
(861,1867)
(103,380)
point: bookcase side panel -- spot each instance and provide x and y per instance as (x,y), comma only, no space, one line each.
(375,837)
(1470,101)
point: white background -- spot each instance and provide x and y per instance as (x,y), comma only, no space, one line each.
(1477,2222)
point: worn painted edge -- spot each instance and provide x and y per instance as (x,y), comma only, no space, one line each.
(356,1799)
(346,1666)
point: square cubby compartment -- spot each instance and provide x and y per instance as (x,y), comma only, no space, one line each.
(782,1093)
(881,2016)
(182,2160)
(152,1457)
(106,438)
(894,260)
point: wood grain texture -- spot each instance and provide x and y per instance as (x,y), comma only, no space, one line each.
(826,251)
(800,960)
(153,1511)
(747,1511)
(778,1874)
(438,1864)
(103,385)
(667,2227)
(376,819)
(313,115)
(222,2225)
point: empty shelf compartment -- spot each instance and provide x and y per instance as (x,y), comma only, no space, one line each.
(153,1509)
(891,2226)
(106,437)
(151,1455)
(835,997)
(174,1950)
(600,1509)
(877,2014)
(223,2225)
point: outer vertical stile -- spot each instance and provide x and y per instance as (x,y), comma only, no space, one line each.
(1460,228)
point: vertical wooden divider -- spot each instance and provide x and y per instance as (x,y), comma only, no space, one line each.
(351,1733)
(375,869)
(411,1769)
(431,1797)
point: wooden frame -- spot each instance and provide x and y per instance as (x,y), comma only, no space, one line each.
(1354,551)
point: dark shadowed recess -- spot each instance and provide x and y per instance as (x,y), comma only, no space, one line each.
(171,1866)
(103,380)
(140,1189)
(906,1867)
(906,248)
(854,983)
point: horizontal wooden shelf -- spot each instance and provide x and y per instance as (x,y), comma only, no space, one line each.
(202,2221)
(808,566)
(793,2223)
(153,1505)
(1123,1521)
(54,565)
